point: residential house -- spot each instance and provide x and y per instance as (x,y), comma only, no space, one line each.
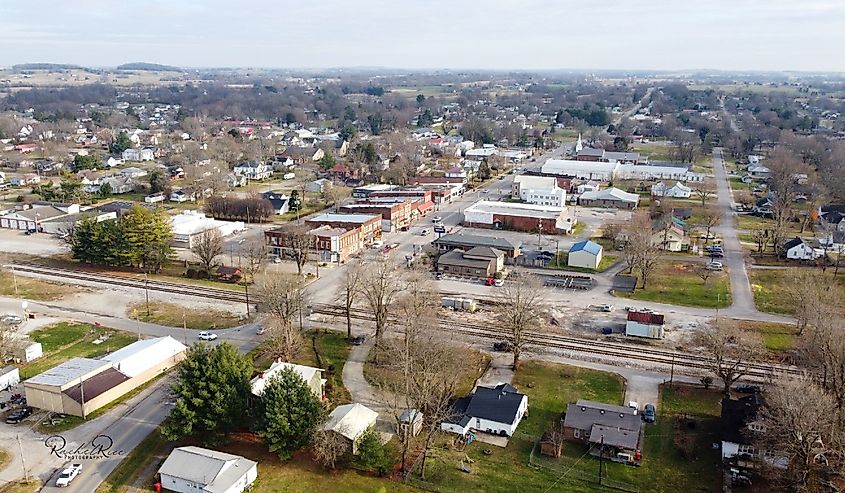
(585,254)
(541,190)
(588,186)
(341,172)
(496,410)
(24,180)
(119,184)
(132,172)
(182,195)
(112,161)
(798,249)
(198,470)
(615,430)
(145,154)
(479,261)
(304,155)
(280,202)
(154,198)
(832,216)
(318,186)
(351,421)
(758,171)
(313,377)
(253,170)
(676,191)
(609,197)
(281,163)
(739,421)
(670,234)
(456,172)
(234,180)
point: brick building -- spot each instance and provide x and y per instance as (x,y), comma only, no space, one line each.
(394,215)
(369,224)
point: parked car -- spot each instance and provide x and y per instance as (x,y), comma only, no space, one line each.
(277,260)
(489,281)
(436,219)
(606,331)
(424,232)
(634,405)
(498,282)
(207,336)
(707,236)
(358,340)
(10,319)
(261,330)
(603,308)
(19,415)
(649,413)
(502,346)
(68,475)
(714,265)
(747,388)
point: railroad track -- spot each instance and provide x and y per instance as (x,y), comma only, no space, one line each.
(625,352)
(133,282)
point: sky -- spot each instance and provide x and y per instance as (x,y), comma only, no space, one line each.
(736,35)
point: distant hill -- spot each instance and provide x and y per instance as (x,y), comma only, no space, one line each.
(46,66)
(152,67)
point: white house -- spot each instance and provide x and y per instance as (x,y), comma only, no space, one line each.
(589,186)
(154,198)
(199,470)
(676,191)
(585,254)
(541,190)
(145,154)
(312,376)
(112,161)
(758,171)
(234,180)
(798,249)
(253,170)
(495,410)
(133,172)
(318,186)
(351,421)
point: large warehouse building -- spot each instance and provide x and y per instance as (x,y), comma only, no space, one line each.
(189,225)
(80,386)
(519,217)
(601,171)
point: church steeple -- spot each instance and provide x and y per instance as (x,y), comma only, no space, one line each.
(579,145)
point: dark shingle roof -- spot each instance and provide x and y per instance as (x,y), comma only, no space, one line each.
(499,404)
(584,414)
(735,416)
(461,239)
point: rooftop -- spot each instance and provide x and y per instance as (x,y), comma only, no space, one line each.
(499,404)
(350,420)
(587,246)
(69,371)
(259,382)
(476,240)
(343,218)
(611,193)
(218,472)
(516,209)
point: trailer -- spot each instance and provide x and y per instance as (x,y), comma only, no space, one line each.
(459,304)
(9,377)
(646,324)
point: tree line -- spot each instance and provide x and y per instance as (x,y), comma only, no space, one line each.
(250,209)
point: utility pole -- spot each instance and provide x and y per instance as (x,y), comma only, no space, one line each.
(557,253)
(246,291)
(601,458)
(185,326)
(147,292)
(539,231)
(23,461)
(15,281)
(672,370)
(137,324)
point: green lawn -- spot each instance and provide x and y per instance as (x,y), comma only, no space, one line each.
(173,315)
(770,291)
(675,283)
(686,399)
(76,341)
(737,184)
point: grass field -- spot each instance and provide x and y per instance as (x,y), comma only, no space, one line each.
(770,288)
(173,315)
(32,486)
(70,340)
(4,458)
(474,365)
(687,399)
(675,283)
(33,289)
(776,337)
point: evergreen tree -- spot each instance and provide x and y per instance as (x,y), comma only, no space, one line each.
(288,413)
(158,182)
(121,143)
(294,202)
(146,236)
(106,189)
(212,391)
(372,455)
(327,161)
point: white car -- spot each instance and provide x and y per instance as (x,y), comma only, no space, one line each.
(715,266)
(68,474)
(11,319)
(499,283)
(207,336)
(707,236)
(634,405)
(436,219)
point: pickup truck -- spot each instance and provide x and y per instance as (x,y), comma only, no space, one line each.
(68,475)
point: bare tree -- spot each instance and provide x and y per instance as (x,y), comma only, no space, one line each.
(784,167)
(253,258)
(283,341)
(328,447)
(335,195)
(729,351)
(380,286)
(11,341)
(703,271)
(297,242)
(704,191)
(807,297)
(521,304)
(281,295)
(349,291)
(761,237)
(824,350)
(640,248)
(801,431)
(207,247)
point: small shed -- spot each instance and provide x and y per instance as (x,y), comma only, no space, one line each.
(31,352)
(9,377)
(585,254)
(410,422)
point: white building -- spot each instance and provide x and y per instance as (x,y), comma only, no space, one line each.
(200,470)
(596,170)
(676,191)
(585,254)
(351,421)
(495,410)
(145,154)
(312,376)
(541,190)
(798,249)
(188,225)
(253,170)
(519,217)
(9,377)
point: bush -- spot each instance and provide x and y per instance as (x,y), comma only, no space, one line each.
(372,454)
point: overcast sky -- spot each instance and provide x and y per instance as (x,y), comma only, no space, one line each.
(484,34)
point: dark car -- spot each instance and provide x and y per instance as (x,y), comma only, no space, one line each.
(358,340)
(716,254)
(606,330)
(19,415)
(502,346)
(649,413)
(747,388)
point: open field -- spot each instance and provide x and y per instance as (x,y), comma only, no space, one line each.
(775,337)
(32,486)
(771,287)
(174,315)
(687,399)
(474,365)
(71,340)
(674,282)
(33,289)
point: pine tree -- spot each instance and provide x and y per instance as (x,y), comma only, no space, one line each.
(289,412)
(211,390)
(147,236)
